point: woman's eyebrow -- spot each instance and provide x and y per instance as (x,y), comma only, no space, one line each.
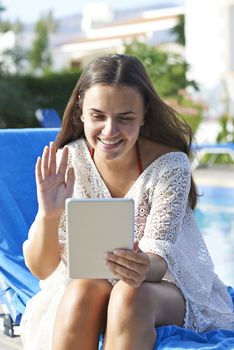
(95,110)
(121,113)
(126,113)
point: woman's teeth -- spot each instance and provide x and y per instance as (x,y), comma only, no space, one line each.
(109,142)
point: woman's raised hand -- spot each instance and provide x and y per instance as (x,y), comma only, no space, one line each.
(54,183)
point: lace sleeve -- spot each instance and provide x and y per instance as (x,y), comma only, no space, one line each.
(169,202)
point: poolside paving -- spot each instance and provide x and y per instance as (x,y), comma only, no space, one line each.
(214,176)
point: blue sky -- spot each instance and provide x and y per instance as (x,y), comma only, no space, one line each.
(29,11)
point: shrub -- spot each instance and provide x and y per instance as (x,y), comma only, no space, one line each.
(21,96)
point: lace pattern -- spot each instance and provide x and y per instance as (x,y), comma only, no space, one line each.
(164,225)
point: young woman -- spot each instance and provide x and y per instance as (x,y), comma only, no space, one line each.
(119,139)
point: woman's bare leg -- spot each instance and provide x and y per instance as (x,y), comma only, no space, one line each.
(81,315)
(133,314)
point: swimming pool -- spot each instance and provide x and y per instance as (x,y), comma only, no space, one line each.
(215,216)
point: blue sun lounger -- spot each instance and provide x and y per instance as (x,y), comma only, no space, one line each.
(48,118)
(18,206)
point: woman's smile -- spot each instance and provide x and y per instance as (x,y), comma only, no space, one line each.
(110,142)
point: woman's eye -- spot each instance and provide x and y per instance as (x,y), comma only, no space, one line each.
(125,119)
(97,116)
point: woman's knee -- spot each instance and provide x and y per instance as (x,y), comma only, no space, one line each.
(127,303)
(82,297)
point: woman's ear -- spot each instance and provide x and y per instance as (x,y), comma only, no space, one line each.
(82,118)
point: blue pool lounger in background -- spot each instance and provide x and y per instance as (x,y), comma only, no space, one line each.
(48,118)
(200,151)
(18,206)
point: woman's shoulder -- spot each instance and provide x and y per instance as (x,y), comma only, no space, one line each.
(78,152)
(73,144)
(78,143)
(153,152)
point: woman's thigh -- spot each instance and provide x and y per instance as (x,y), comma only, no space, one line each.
(166,302)
(158,303)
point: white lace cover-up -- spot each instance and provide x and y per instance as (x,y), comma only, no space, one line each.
(164,225)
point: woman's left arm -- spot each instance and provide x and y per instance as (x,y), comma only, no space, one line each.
(157,268)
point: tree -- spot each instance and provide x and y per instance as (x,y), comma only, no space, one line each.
(166,69)
(2,8)
(5,26)
(179,31)
(17,26)
(39,55)
(13,61)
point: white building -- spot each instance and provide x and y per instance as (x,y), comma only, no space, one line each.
(149,26)
(210,51)
(96,13)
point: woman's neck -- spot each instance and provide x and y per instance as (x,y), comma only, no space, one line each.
(125,163)
(121,164)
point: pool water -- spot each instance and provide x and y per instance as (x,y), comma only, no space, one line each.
(215,216)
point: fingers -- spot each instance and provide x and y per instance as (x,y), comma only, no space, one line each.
(52,158)
(130,277)
(137,264)
(128,266)
(45,162)
(38,173)
(137,256)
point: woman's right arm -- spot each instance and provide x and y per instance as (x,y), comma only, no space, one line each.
(41,250)
(54,186)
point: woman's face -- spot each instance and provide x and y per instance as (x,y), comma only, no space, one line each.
(112,119)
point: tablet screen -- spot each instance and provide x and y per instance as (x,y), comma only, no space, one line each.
(96,226)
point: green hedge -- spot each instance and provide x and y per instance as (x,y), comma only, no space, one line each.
(21,96)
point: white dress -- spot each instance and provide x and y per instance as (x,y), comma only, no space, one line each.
(164,224)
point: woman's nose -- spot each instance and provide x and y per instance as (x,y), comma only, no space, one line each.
(110,128)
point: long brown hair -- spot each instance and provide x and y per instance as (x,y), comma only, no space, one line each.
(161,125)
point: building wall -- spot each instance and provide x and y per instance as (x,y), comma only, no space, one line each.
(231,36)
(206,40)
(209,29)
(148,26)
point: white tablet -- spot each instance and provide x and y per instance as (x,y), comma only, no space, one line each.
(96,226)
